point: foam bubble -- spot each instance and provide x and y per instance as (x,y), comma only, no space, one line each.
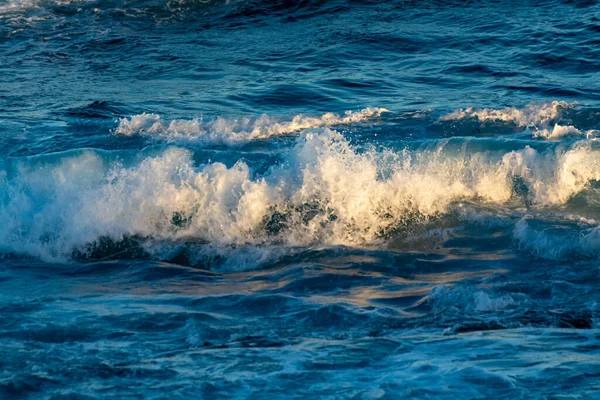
(234,131)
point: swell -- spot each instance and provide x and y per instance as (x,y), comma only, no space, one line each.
(325,192)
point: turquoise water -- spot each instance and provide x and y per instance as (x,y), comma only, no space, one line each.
(305,199)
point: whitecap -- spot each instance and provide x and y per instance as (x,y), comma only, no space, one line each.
(327,192)
(234,131)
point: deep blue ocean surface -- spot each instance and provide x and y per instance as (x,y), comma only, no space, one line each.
(299,199)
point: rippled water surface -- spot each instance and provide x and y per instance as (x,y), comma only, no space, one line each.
(299,199)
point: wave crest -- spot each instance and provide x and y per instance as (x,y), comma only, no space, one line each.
(564,131)
(543,121)
(533,114)
(234,131)
(326,192)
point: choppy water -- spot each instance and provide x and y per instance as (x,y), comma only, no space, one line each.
(305,199)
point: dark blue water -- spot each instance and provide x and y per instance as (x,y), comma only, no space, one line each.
(299,199)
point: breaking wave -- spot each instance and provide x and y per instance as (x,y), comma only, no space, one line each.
(541,120)
(327,192)
(234,131)
(559,132)
(534,114)
(418,253)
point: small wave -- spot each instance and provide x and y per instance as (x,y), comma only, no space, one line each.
(534,114)
(470,300)
(234,131)
(539,119)
(564,131)
(557,243)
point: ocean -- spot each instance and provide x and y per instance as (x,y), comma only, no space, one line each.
(342,199)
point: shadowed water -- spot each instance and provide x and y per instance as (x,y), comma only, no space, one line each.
(330,199)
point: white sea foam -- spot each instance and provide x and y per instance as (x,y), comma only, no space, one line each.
(539,119)
(534,114)
(326,192)
(234,131)
(564,131)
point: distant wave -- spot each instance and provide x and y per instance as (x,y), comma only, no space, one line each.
(564,131)
(541,119)
(326,192)
(533,114)
(234,131)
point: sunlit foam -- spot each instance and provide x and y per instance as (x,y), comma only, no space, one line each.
(234,131)
(326,192)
